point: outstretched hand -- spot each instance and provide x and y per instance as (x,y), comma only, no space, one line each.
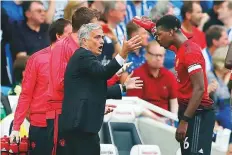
(133,82)
(124,68)
(131,45)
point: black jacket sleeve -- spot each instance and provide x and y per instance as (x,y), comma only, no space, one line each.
(91,65)
(114,92)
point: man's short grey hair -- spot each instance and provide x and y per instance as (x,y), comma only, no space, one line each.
(159,10)
(85,31)
(109,5)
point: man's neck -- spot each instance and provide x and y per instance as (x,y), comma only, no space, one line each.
(180,39)
(75,37)
(111,23)
(187,26)
(228,23)
(212,49)
(33,26)
(154,72)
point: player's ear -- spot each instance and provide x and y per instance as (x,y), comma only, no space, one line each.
(171,32)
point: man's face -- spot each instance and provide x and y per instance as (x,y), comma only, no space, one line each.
(163,37)
(196,14)
(95,41)
(36,13)
(155,56)
(119,13)
(222,41)
(223,12)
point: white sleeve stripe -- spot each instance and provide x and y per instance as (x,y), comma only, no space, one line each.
(194,67)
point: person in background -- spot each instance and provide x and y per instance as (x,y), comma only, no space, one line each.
(33,98)
(216,36)
(159,84)
(32,35)
(138,8)
(191,13)
(115,13)
(71,7)
(213,14)
(19,69)
(224,15)
(221,96)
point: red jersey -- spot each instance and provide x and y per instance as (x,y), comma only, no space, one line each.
(33,98)
(189,60)
(157,91)
(196,36)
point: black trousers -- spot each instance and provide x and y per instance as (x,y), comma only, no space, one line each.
(61,142)
(38,140)
(81,143)
(199,135)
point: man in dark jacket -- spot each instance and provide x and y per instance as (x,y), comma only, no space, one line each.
(85,90)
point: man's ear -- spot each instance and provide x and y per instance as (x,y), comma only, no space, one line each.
(171,33)
(58,37)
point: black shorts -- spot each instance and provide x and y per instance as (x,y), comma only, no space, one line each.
(38,140)
(199,135)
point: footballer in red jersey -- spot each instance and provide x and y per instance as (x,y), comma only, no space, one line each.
(196,115)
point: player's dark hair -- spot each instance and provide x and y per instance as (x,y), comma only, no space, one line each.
(57,27)
(169,22)
(82,16)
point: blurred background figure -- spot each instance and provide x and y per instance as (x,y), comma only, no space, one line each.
(71,7)
(221,96)
(224,15)
(213,14)
(159,84)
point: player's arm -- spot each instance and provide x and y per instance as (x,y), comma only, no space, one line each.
(28,86)
(197,80)
(228,62)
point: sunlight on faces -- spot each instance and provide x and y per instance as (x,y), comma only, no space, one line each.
(95,41)
(155,55)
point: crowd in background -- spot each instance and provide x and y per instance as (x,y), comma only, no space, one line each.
(24,31)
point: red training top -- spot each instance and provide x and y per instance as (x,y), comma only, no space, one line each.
(33,98)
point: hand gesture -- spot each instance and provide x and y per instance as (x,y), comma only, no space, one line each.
(181,131)
(212,86)
(124,68)
(131,45)
(133,82)
(109,109)
(14,136)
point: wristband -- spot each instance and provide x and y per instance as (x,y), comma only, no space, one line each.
(186,118)
(123,88)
